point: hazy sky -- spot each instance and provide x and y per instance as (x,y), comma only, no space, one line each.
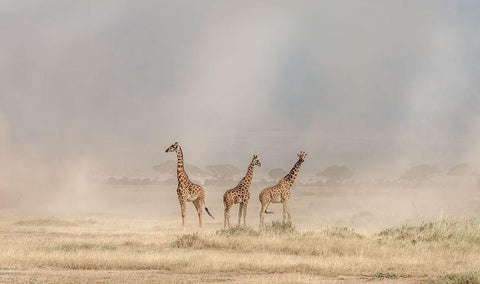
(359,83)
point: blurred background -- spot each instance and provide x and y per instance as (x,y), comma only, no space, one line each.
(93,92)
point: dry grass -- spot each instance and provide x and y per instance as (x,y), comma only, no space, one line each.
(459,278)
(44,222)
(110,244)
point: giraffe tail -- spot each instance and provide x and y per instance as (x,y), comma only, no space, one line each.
(206,209)
(268,212)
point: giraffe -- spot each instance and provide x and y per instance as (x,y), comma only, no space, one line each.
(187,191)
(240,194)
(280,193)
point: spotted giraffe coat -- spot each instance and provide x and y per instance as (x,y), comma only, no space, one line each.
(240,193)
(187,191)
(280,192)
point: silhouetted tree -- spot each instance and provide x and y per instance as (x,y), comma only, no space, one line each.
(420,173)
(223,172)
(170,167)
(336,174)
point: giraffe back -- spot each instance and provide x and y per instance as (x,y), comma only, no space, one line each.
(276,194)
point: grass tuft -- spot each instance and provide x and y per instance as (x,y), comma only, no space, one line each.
(192,241)
(342,232)
(459,278)
(384,275)
(440,230)
(238,231)
(45,222)
(75,246)
(280,228)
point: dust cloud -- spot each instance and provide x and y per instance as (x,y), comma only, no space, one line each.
(92,93)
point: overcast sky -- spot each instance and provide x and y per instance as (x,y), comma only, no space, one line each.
(359,83)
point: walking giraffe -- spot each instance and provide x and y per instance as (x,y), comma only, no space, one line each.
(280,193)
(188,191)
(240,194)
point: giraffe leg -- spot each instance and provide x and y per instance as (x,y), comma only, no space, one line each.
(183,206)
(262,213)
(226,223)
(225,215)
(240,207)
(284,211)
(228,216)
(289,213)
(245,204)
(198,205)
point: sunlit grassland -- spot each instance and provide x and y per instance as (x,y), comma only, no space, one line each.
(438,251)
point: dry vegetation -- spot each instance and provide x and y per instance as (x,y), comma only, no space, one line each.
(132,250)
(121,234)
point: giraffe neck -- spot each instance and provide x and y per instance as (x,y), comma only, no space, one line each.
(180,168)
(292,175)
(247,180)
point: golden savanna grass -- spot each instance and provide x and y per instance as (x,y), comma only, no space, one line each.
(78,249)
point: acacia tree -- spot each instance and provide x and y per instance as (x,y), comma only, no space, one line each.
(336,174)
(420,173)
(170,167)
(223,172)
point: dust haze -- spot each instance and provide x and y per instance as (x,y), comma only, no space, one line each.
(91,94)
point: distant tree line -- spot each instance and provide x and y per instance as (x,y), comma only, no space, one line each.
(228,175)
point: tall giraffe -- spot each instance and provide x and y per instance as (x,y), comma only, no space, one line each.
(188,191)
(240,194)
(280,193)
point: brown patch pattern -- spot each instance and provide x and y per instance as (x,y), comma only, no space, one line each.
(280,193)
(240,194)
(187,191)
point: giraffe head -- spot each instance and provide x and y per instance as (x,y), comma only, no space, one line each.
(256,161)
(302,155)
(173,148)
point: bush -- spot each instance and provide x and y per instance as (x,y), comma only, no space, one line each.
(278,227)
(191,241)
(342,232)
(238,231)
